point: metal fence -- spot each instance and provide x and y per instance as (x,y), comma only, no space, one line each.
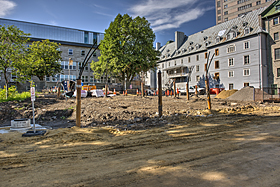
(267,94)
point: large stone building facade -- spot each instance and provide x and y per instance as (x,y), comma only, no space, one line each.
(240,56)
(230,9)
(75,44)
(271,23)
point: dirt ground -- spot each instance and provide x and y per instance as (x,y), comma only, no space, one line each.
(124,143)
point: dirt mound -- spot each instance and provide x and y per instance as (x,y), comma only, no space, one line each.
(245,94)
(225,94)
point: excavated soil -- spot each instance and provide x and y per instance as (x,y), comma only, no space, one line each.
(124,143)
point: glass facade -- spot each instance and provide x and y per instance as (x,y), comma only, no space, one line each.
(54,32)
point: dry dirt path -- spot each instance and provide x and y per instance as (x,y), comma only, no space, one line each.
(220,150)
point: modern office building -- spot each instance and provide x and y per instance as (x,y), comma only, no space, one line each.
(230,9)
(271,23)
(75,44)
(240,55)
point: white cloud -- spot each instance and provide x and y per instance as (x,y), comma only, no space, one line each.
(6,6)
(167,14)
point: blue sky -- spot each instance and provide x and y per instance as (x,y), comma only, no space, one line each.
(165,16)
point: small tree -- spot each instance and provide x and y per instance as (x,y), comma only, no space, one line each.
(12,50)
(127,48)
(42,60)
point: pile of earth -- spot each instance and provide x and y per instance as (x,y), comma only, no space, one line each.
(225,94)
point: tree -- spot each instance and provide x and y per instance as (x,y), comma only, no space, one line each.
(12,50)
(42,60)
(127,48)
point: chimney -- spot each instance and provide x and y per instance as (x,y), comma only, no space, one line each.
(157,46)
(179,39)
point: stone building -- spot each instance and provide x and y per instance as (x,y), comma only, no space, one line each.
(75,44)
(240,58)
(230,9)
(271,23)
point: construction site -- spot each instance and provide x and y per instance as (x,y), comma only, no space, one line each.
(122,141)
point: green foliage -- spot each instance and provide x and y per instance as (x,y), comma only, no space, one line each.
(13,94)
(12,50)
(42,60)
(127,48)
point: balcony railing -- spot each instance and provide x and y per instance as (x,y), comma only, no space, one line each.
(173,75)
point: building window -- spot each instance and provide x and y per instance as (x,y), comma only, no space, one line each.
(231,48)
(246,84)
(197,78)
(230,74)
(225,0)
(169,64)
(278,72)
(216,76)
(247,30)
(241,1)
(277,54)
(230,86)
(197,68)
(276,36)
(205,55)
(162,65)
(258,2)
(91,79)
(275,21)
(216,52)
(226,13)
(246,60)
(244,7)
(219,11)
(70,51)
(83,53)
(86,37)
(230,62)
(226,19)
(189,59)
(246,45)
(197,57)
(175,63)
(246,72)
(219,18)
(277,7)
(225,6)
(218,4)
(182,61)
(217,64)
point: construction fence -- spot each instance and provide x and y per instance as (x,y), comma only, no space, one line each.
(267,94)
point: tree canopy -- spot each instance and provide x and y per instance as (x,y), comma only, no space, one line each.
(42,60)
(12,50)
(127,48)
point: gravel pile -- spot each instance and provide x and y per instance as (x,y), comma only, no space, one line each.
(225,94)
(245,94)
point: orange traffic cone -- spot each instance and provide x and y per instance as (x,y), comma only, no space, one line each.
(137,92)
(114,91)
(125,92)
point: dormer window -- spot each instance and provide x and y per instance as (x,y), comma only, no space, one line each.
(205,37)
(228,36)
(184,50)
(245,24)
(247,30)
(190,48)
(168,50)
(207,43)
(218,39)
(197,46)
(168,55)
(191,43)
(234,26)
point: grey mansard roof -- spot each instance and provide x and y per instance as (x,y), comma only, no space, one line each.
(234,29)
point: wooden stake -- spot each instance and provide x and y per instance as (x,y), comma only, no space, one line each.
(159,94)
(78,106)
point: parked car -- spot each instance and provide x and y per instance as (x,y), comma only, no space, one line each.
(200,91)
